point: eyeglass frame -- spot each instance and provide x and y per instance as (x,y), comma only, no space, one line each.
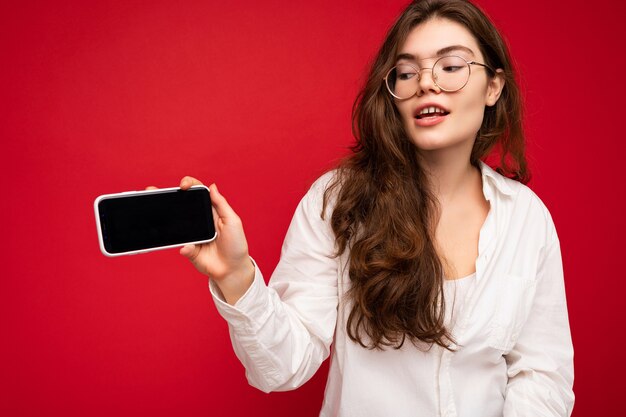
(419,75)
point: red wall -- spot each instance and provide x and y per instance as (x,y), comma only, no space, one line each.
(100,97)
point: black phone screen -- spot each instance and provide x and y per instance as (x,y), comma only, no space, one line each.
(145,221)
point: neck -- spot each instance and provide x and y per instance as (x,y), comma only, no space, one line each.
(450,172)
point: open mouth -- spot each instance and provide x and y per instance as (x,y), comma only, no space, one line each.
(431,111)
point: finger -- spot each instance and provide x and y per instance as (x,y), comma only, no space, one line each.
(187,182)
(222,208)
(190,251)
(215,218)
(151,187)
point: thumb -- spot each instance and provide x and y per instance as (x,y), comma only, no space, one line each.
(223,209)
(190,252)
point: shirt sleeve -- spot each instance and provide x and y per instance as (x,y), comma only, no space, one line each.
(540,366)
(282,332)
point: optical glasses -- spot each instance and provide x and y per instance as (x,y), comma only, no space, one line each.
(450,73)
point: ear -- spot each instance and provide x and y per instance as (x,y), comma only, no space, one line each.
(494,88)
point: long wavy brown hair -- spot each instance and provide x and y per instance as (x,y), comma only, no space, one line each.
(384,212)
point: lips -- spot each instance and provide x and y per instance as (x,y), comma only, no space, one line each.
(430,114)
(430,110)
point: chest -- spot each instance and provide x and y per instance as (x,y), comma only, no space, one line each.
(457,235)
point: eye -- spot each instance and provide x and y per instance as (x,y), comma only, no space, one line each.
(403,76)
(452,68)
(450,64)
(405,72)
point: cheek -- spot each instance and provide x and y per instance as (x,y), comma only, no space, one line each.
(472,112)
(405,113)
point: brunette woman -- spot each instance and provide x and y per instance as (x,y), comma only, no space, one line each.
(437,279)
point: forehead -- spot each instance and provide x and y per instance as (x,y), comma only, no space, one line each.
(427,38)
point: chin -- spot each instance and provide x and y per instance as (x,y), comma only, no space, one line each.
(430,143)
(435,144)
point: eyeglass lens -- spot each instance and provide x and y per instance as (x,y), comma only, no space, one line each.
(450,73)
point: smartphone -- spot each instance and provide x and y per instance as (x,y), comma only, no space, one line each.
(142,221)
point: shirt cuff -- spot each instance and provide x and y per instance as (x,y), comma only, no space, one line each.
(249,307)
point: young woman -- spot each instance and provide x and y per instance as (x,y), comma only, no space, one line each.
(437,279)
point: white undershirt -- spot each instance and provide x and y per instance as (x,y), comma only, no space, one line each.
(454,291)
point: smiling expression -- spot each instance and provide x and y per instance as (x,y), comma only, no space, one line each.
(435,119)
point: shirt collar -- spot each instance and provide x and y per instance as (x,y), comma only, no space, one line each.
(497,181)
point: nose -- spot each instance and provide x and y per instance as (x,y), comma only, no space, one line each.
(426,82)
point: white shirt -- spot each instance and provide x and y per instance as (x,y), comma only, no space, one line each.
(514,355)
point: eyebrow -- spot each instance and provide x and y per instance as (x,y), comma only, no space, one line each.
(441,52)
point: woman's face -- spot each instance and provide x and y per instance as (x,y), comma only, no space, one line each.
(458,114)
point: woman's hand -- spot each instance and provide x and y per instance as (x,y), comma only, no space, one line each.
(225,260)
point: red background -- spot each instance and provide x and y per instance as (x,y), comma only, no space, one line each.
(101,97)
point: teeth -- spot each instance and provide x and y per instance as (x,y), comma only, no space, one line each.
(431,109)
